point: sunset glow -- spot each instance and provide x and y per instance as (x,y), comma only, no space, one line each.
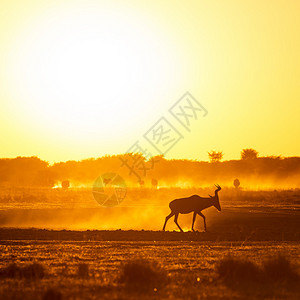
(149,149)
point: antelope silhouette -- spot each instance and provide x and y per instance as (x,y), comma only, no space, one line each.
(154,183)
(194,204)
(141,183)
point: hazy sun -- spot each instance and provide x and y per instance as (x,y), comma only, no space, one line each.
(79,71)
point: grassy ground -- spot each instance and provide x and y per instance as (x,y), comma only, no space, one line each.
(93,270)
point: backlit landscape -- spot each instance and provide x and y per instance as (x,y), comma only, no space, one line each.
(149,150)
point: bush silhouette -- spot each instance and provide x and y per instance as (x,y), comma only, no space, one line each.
(83,270)
(11,271)
(242,271)
(52,294)
(32,271)
(215,156)
(143,274)
(280,269)
(237,270)
(249,154)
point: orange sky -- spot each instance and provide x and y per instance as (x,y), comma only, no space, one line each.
(87,78)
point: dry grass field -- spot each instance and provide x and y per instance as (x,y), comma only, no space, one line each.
(186,270)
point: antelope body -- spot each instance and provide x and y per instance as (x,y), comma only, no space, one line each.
(194,204)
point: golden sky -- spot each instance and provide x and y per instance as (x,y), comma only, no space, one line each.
(83,79)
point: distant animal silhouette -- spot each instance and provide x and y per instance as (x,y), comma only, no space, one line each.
(65,184)
(141,183)
(236,183)
(194,204)
(154,183)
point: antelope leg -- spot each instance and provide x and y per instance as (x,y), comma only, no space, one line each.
(194,218)
(175,220)
(167,218)
(202,215)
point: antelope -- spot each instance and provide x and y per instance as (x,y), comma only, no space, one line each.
(154,183)
(194,204)
(141,183)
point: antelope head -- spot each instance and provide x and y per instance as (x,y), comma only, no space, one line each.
(216,198)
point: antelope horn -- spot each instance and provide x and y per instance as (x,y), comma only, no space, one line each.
(210,196)
(217,186)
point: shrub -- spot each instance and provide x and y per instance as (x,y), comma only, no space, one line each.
(83,270)
(32,271)
(237,270)
(215,156)
(249,154)
(280,269)
(11,271)
(274,270)
(52,294)
(142,274)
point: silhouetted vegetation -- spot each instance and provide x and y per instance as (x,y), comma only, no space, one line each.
(83,270)
(31,271)
(249,154)
(280,269)
(52,294)
(262,171)
(142,274)
(235,271)
(187,270)
(26,171)
(215,156)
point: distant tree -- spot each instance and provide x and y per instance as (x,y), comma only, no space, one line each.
(275,157)
(45,178)
(249,154)
(65,184)
(236,183)
(215,156)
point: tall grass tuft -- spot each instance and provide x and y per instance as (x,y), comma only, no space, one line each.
(280,269)
(52,294)
(142,274)
(10,271)
(31,271)
(83,270)
(237,270)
